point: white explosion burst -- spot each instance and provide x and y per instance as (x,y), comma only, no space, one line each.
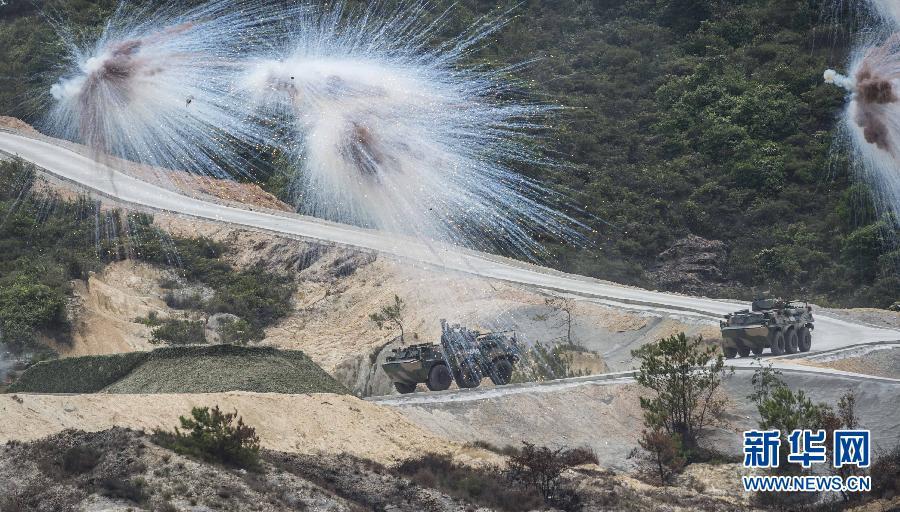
(156,88)
(385,126)
(889,9)
(870,126)
(392,132)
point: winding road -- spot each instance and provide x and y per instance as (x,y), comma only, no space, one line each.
(69,165)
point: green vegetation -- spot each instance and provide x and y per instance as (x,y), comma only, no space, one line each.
(484,486)
(237,332)
(46,242)
(179,332)
(256,295)
(683,375)
(786,410)
(214,436)
(183,369)
(708,118)
(679,117)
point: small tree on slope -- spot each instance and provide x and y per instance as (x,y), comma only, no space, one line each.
(391,314)
(683,374)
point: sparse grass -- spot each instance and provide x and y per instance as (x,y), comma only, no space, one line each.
(483,486)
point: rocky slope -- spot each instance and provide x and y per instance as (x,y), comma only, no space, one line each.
(339,288)
(122,470)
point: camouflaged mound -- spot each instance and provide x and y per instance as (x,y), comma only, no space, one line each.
(194,369)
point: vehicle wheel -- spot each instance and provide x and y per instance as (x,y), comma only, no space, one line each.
(405,387)
(777,344)
(468,378)
(439,378)
(792,341)
(758,351)
(502,372)
(805,339)
(730,352)
(744,352)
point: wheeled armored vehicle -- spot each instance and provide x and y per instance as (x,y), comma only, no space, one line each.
(782,327)
(464,356)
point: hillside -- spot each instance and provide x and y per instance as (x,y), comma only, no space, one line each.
(681,119)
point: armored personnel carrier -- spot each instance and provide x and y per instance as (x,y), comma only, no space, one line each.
(782,327)
(464,356)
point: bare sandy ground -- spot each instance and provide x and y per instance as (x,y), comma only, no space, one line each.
(316,423)
(11,123)
(877,360)
(106,306)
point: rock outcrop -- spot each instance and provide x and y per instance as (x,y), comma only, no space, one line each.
(692,265)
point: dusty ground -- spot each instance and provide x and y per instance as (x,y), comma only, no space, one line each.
(331,319)
(606,416)
(308,424)
(11,123)
(107,305)
(880,361)
(874,317)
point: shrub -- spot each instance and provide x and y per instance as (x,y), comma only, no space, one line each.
(180,300)
(211,435)
(484,486)
(133,489)
(80,459)
(886,474)
(786,410)
(540,469)
(151,320)
(684,375)
(238,332)
(179,332)
(257,295)
(391,314)
(662,454)
(26,306)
